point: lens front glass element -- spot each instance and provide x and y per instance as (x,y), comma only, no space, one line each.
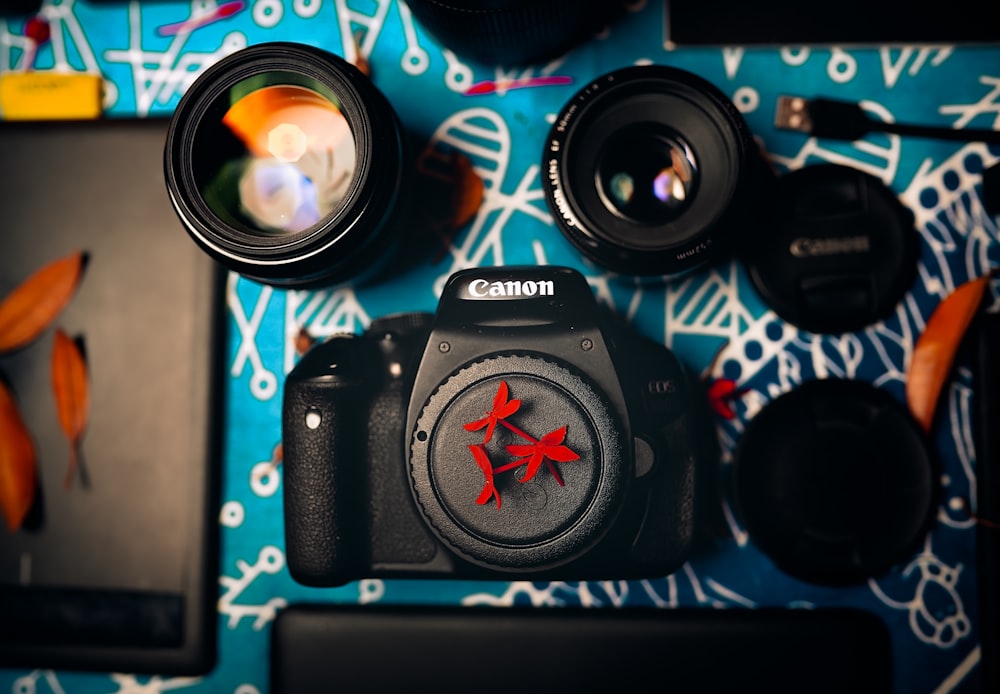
(646,176)
(289,158)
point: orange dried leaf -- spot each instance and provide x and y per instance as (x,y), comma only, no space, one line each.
(17,463)
(72,394)
(935,350)
(303,341)
(32,306)
(468,192)
(453,193)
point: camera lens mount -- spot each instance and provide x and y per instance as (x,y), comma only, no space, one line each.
(285,164)
(649,169)
(535,488)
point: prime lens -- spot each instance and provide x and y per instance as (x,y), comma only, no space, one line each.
(285,164)
(649,170)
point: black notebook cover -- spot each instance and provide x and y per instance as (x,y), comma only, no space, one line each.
(845,22)
(118,574)
(382,648)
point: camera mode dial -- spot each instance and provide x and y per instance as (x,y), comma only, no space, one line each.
(518,462)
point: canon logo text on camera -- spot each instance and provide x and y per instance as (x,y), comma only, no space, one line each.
(481,289)
(807,248)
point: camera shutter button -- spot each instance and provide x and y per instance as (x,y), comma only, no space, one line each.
(400,323)
(335,361)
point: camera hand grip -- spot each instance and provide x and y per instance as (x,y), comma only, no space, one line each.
(672,418)
(322,415)
(672,507)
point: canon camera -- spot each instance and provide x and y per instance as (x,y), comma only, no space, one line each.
(518,432)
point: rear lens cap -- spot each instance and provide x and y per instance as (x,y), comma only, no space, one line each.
(839,253)
(833,481)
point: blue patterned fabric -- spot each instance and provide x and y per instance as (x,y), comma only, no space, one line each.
(929,601)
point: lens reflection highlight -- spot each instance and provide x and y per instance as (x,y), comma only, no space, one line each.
(646,177)
(297,160)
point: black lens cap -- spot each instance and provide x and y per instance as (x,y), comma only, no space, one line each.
(839,251)
(833,481)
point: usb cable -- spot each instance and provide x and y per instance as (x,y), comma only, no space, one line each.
(846,120)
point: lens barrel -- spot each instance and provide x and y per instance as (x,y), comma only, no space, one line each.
(648,170)
(512,32)
(286,164)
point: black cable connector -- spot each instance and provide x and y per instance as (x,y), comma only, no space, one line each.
(845,120)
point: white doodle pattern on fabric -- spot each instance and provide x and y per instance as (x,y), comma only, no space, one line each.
(269,561)
(263,382)
(321,313)
(29,683)
(936,613)
(161,77)
(130,684)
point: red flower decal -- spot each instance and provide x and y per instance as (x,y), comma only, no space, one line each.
(502,408)
(489,489)
(550,449)
(721,392)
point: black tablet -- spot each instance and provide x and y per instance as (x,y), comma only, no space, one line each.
(383,648)
(117,570)
(844,22)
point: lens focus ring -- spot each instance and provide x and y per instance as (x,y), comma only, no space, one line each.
(286,164)
(649,170)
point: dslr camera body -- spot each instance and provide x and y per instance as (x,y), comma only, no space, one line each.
(517,433)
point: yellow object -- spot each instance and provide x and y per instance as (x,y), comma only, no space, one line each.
(50,95)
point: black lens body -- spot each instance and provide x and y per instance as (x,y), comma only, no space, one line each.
(513,32)
(516,433)
(651,170)
(210,158)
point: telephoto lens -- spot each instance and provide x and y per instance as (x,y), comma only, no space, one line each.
(513,32)
(650,170)
(286,164)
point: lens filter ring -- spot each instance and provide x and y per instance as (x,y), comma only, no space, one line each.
(476,477)
(649,170)
(285,164)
